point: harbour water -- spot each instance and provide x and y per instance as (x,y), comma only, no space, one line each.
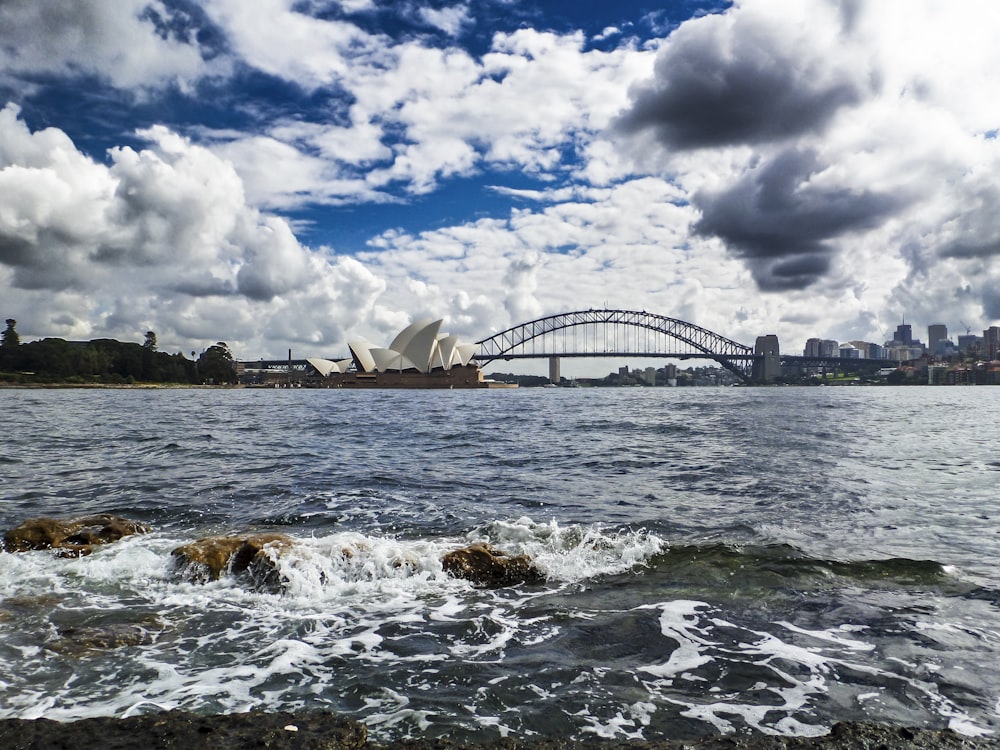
(716,560)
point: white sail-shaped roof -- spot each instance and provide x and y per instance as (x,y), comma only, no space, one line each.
(323,366)
(466,352)
(446,353)
(362,355)
(420,348)
(404,337)
(387,360)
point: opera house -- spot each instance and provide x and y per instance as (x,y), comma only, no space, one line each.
(419,357)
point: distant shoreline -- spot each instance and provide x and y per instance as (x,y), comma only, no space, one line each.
(114,386)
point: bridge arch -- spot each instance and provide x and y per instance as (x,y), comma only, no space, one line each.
(611,333)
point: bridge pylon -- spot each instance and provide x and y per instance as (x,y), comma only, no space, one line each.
(767,359)
(554,376)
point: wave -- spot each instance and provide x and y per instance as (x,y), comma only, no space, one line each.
(370,625)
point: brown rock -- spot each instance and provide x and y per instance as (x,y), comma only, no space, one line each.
(84,640)
(490,567)
(207,559)
(73,536)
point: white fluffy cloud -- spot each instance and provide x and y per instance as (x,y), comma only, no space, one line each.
(421,114)
(119,40)
(161,238)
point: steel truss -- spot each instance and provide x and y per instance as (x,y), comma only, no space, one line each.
(607,333)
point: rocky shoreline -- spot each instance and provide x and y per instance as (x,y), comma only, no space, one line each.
(252,555)
(320,730)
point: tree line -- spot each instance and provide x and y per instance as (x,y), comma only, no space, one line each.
(107,361)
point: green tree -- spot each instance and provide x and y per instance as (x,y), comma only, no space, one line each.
(216,364)
(150,369)
(10,338)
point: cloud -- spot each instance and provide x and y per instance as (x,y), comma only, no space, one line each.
(162,238)
(450,20)
(280,38)
(780,217)
(418,114)
(131,43)
(764,72)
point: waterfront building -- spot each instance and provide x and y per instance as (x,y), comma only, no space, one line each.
(969,343)
(848,351)
(812,348)
(829,348)
(419,357)
(991,342)
(937,374)
(944,348)
(935,333)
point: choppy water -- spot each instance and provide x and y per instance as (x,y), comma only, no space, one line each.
(716,559)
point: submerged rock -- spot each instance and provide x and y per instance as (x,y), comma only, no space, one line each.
(84,640)
(209,558)
(486,566)
(72,536)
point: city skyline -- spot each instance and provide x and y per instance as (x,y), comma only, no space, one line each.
(307,173)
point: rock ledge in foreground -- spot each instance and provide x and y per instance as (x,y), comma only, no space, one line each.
(320,730)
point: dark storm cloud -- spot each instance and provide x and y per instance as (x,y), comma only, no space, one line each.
(782,225)
(713,87)
(976,225)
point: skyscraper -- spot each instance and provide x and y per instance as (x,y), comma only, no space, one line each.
(991,342)
(935,333)
(904,334)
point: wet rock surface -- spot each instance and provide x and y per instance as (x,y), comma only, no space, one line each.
(209,558)
(303,730)
(80,641)
(71,536)
(486,566)
(316,730)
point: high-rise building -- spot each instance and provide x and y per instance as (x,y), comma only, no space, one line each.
(968,343)
(829,348)
(904,334)
(935,333)
(863,348)
(812,348)
(991,342)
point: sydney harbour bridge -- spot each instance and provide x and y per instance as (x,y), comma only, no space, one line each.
(619,333)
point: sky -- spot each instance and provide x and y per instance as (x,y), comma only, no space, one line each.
(295,174)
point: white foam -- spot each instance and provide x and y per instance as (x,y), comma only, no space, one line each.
(574,552)
(678,621)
